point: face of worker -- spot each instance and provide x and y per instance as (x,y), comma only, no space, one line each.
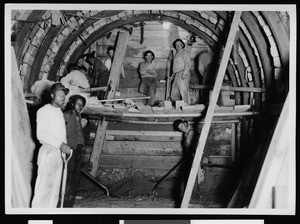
(183,127)
(149,57)
(91,61)
(78,106)
(111,53)
(58,98)
(178,46)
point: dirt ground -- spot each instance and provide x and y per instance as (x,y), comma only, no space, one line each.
(91,196)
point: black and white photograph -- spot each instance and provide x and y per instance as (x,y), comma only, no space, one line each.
(150,109)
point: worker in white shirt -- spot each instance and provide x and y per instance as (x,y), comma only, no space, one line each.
(76,77)
(51,133)
(181,73)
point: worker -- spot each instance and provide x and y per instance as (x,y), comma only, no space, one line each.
(98,72)
(148,70)
(189,143)
(181,73)
(108,63)
(51,133)
(75,138)
(76,77)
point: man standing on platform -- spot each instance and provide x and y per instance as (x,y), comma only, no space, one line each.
(148,70)
(181,73)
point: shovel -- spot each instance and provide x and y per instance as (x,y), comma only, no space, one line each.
(167,174)
(64,180)
(98,183)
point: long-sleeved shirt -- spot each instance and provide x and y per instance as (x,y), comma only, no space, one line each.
(74,129)
(75,78)
(182,62)
(145,66)
(51,128)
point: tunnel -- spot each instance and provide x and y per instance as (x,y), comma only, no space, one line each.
(45,42)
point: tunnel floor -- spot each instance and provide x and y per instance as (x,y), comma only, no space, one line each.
(90,196)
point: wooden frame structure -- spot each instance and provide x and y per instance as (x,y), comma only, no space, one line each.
(278,151)
(112,82)
(210,111)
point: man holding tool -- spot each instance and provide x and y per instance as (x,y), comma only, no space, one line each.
(51,132)
(181,73)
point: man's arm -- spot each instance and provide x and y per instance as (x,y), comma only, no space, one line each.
(67,79)
(187,64)
(142,68)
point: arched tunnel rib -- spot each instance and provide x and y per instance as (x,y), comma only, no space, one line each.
(251,23)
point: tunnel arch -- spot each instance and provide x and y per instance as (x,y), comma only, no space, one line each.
(263,50)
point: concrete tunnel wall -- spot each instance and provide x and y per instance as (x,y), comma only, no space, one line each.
(44,50)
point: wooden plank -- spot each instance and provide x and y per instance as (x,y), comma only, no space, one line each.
(210,111)
(143,136)
(142,148)
(280,197)
(278,150)
(98,144)
(112,81)
(231,88)
(233,142)
(137,148)
(139,162)
(20,148)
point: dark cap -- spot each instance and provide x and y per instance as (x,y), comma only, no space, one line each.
(73,99)
(179,41)
(73,66)
(109,49)
(82,67)
(59,86)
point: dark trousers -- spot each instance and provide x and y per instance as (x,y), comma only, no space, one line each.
(148,87)
(73,176)
(102,81)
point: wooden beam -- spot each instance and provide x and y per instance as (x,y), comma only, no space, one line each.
(278,150)
(112,81)
(210,110)
(156,136)
(219,113)
(139,162)
(233,142)
(231,88)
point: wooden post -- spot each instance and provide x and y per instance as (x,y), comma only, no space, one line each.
(112,81)
(278,150)
(173,35)
(233,142)
(210,111)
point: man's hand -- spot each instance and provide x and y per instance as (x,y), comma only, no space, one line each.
(84,122)
(182,75)
(171,77)
(65,148)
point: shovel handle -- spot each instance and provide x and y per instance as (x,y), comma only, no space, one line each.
(65,156)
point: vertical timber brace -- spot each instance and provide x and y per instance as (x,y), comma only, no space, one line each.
(112,81)
(210,110)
